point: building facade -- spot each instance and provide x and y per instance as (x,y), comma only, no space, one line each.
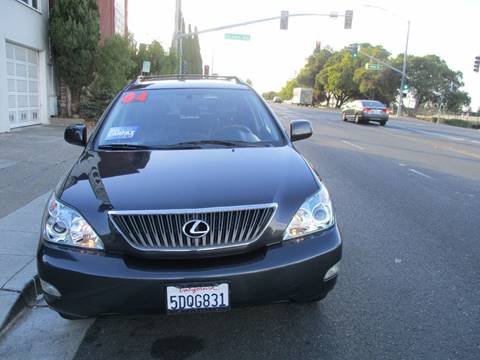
(113,18)
(27,87)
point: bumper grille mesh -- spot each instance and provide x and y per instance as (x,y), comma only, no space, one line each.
(163,230)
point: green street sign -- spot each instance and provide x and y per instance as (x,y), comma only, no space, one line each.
(372,66)
(244,37)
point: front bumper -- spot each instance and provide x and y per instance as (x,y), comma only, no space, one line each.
(91,284)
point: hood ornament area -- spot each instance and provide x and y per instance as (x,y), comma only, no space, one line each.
(195,228)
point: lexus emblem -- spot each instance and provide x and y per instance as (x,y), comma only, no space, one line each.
(195,228)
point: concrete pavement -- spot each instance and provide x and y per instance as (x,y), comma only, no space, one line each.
(31,162)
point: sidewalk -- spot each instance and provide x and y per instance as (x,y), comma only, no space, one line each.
(20,232)
(32,160)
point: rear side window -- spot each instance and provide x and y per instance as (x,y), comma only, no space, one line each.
(373,104)
(162,117)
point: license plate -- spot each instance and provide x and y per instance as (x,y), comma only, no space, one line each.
(210,297)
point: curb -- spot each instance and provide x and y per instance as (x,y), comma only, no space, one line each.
(25,298)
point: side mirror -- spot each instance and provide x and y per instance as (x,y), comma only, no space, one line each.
(76,134)
(300,129)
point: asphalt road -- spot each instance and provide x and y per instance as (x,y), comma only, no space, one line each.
(407,198)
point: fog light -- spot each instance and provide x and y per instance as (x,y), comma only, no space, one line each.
(331,272)
(49,289)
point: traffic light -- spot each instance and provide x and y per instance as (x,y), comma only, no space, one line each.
(406,88)
(348,19)
(284,20)
(476,64)
(206,70)
(353,48)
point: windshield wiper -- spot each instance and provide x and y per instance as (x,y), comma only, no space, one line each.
(124,147)
(226,143)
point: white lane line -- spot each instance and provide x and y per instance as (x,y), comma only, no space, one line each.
(420,173)
(401,164)
(353,145)
(475,141)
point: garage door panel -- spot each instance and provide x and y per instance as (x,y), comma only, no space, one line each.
(10,69)
(11,85)
(33,86)
(22,84)
(12,101)
(32,57)
(9,51)
(20,70)
(33,71)
(12,117)
(20,53)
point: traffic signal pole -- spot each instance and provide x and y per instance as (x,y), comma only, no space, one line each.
(404,74)
(179,35)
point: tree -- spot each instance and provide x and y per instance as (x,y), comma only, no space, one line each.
(269,95)
(337,77)
(74,34)
(457,101)
(375,84)
(433,82)
(191,55)
(308,74)
(161,63)
(249,82)
(315,63)
(287,91)
(114,66)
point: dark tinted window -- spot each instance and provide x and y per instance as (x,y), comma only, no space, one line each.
(372,104)
(170,116)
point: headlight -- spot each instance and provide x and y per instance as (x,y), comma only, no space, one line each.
(63,225)
(315,214)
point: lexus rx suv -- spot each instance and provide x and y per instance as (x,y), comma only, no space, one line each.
(188,196)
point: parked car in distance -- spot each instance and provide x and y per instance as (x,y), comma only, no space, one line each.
(188,196)
(364,111)
(277,99)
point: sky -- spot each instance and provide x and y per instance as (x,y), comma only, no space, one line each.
(273,56)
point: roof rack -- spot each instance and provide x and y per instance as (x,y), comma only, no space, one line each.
(190,77)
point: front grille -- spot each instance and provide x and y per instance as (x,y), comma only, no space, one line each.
(163,230)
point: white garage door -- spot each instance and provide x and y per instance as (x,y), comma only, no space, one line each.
(23,87)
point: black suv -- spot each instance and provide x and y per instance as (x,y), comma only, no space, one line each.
(188,196)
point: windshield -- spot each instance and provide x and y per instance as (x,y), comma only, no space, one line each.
(173,117)
(372,104)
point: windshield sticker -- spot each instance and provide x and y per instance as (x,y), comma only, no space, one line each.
(121,132)
(135,97)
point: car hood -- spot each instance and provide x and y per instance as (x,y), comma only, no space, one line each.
(193,178)
(186,179)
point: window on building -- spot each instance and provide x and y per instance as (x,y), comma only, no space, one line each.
(120,17)
(32,3)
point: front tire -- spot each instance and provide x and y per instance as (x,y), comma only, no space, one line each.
(344,117)
(357,119)
(383,123)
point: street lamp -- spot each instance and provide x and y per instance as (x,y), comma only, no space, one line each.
(404,69)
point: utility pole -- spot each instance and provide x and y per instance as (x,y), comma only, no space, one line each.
(404,73)
(178,31)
